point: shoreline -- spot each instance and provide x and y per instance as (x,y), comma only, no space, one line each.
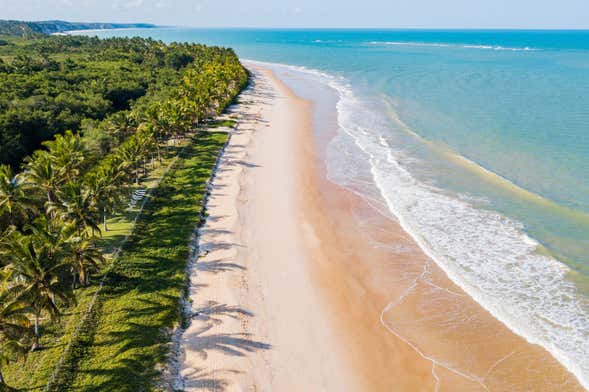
(552,364)
(257,322)
(347,285)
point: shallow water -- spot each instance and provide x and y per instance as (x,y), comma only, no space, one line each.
(477,142)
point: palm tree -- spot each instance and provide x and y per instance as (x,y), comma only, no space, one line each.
(155,135)
(79,253)
(83,256)
(14,325)
(172,115)
(40,174)
(131,152)
(121,125)
(76,204)
(105,184)
(68,154)
(14,200)
(37,265)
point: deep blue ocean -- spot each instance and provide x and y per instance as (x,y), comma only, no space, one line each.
(479,144)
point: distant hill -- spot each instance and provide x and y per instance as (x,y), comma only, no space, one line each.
(31,29)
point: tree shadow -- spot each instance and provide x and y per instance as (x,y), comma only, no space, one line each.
(201,379)
(214,311)
(217,266)
(213,246)
(235,344)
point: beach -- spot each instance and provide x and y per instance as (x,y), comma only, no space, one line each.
(290,293)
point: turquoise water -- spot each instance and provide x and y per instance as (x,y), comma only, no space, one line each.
(479,144)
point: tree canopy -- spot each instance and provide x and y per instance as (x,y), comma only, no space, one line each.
(53,84)
(80,118)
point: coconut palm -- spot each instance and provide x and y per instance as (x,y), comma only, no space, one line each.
(76,204)
(14,325)
(41,174)
(105,184)
(131,153)
(38,267)
(83,256)
(14,200)
(155,134)
(68,154)
(121,125)
(78,252)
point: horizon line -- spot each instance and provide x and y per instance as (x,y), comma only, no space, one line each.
(456,28)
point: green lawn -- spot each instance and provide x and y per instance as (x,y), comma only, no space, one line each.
(122,340)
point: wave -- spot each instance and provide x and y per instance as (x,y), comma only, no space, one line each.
(580,217)
(448,45)
(487,254)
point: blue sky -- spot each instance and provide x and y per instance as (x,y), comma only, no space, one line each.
(572,14)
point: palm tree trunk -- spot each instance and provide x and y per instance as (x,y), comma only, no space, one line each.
(36,345)
(2,378)
(104,221)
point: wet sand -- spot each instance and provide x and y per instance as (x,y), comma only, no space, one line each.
(303,286)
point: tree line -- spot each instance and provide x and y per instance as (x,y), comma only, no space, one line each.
(37,29)
(53,84)
(54,207)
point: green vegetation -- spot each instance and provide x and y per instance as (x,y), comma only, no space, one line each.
(74,191)
(143,291)
(53,84)
(225,123)
(35,29)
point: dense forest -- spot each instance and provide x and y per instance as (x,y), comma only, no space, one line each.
(82,120)
(50,85)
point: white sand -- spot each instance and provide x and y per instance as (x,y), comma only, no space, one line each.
(260,324)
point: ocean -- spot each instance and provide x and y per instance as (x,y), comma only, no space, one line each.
(478,144)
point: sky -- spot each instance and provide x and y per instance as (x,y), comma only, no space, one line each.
(548,14)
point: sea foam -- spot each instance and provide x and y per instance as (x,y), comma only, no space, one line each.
(447,45)
(487,254)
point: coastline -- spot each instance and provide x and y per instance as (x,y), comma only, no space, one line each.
(557,372)
(372,329)
(257,321)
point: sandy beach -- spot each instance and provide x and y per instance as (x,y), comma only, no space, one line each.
(260,323)
(288,294)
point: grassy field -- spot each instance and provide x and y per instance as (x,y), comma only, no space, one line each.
(125,336)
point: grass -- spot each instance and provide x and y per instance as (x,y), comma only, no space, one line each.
(34,373)
(140,301)
(221,123)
